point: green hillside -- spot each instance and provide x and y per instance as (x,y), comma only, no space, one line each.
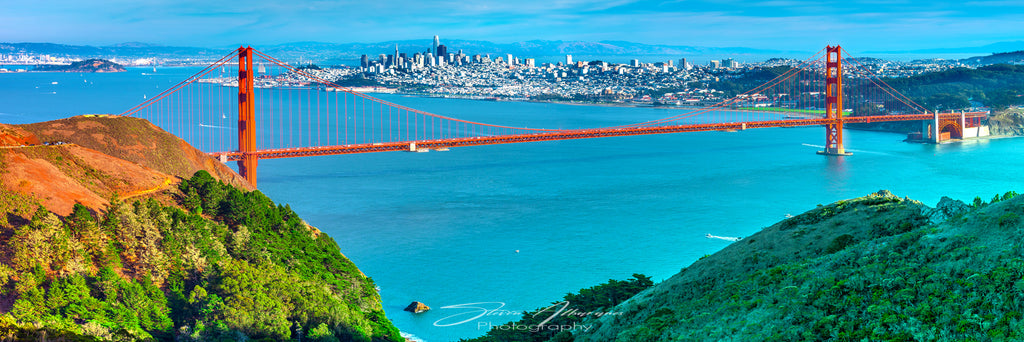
(874,268)
(231,266)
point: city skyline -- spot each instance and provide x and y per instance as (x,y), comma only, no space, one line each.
(790,25)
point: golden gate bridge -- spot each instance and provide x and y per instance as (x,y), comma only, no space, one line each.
(280,111)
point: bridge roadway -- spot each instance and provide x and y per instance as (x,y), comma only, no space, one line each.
(572,134)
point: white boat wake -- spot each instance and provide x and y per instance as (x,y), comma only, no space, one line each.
(848,150)
(726,238)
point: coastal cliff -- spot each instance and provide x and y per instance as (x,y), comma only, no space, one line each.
(1008,122)
(116,230)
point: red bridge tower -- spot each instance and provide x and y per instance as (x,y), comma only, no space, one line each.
(246,117)
(834,102)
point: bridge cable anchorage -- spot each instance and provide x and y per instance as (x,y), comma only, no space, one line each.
(279,116)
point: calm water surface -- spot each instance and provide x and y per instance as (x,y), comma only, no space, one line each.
(524,224)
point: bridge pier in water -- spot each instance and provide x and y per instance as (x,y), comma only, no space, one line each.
(834,103)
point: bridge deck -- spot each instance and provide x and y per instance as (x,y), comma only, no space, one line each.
(572,134)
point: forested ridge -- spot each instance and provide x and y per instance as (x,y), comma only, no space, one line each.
(231,265)
(997,86)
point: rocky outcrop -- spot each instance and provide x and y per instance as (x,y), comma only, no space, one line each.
(417,307)
(1010,122)
(946,209)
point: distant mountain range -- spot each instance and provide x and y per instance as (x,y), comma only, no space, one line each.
(990,48)
(321,52)
(996,58)
(124,50)
(543,50)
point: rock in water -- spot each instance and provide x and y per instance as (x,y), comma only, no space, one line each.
(417,307)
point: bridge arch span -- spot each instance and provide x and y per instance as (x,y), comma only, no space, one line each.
(952,127)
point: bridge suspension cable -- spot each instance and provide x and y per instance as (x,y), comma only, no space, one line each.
(301,111)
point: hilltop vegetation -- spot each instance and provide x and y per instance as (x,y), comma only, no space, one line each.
(245,268)
(872,268)
(178,258)
(875,268)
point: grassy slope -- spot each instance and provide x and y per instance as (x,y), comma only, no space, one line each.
(135,140)
(868,268)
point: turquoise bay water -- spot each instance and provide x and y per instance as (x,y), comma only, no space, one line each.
(444,228)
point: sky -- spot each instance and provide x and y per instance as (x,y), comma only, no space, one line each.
(880,25)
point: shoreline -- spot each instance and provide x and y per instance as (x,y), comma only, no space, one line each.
(526,100)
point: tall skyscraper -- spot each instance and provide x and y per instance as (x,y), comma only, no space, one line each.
(509,60)
(394,61)
(683,65)
(364,61)
(441,50)
(568,60)
(436,43)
